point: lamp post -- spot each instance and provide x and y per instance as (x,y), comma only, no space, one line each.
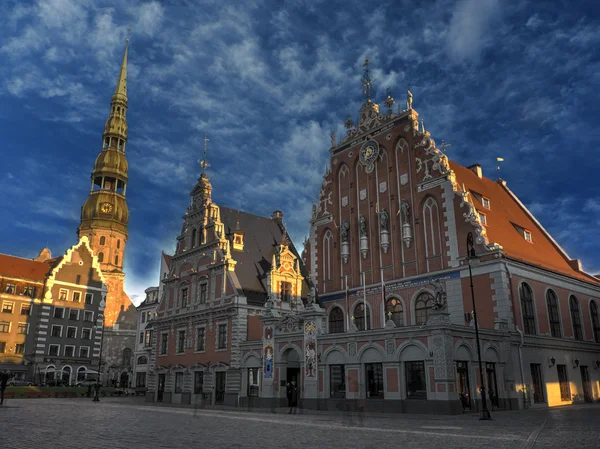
(485,413)
(97,386)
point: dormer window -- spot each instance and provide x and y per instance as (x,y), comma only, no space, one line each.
(527,235)
(483,219)
(486,202)
(238,241)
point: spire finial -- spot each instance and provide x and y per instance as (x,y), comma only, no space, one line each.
(367,81)
(122,82)
(204,162)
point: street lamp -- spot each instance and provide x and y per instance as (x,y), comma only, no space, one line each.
(97,386)
(485,413)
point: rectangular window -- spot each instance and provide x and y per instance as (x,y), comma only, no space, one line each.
(8,306)
(164,341)
(56,331)
(538,385)
(53,350)
(76,296)
(2,347)
(140,380)
(69,351)
(374,380)
(4,327)
(29,291)
(71,332)
(148,338)
(483,218)
(86,334)
(201,339)
(25,309)
(11,289)
(78,279)
(184,297)
(20,348)
(73,314)
(337,381)
(527,235)
(178,382)
(415,380)
(62,295)
(88,315)
(23,328)
(286,291)
(485,202)
(141,337)
(203,293)
(180,342)
(89,298)
(143,317)
(222,337)
(198,382)
(59,312)
(253,382)
(563,381)
(84,352)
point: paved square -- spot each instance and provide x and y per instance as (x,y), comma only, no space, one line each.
(123,423)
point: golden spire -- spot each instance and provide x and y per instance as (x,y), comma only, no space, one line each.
(121,89)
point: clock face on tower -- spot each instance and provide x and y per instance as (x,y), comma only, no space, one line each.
(106,208)
(368,154)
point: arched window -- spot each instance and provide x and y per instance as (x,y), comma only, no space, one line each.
(101,257)
(595,321)
(117,259)
(423,305)
(431,228)
(118,243)
(142,360)
(193,238)
(102,241)
(394,311)
(359,317)
(527,309)
(81,373)
(126,357)
(553,314)
(576,318)
(327,245)
(336,321)
(66,375)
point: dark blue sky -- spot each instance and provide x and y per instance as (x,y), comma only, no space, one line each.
(266,81)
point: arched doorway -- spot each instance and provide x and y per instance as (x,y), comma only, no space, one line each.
(291,366)
(66,375)
(124,380)
(49,373)
(81,373)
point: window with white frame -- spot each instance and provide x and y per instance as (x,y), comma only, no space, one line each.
(23,328)
(25,309)
(63,294)
(8,306)
(222,336)
(527,236)
(69,351)
(89,298)
(53,350)
(180,341)
(59,312)
(200,342)
(4,327)
(56,331)
(148,338)
(143,317)
(486,202)
(11,289)
(483,218)
(29,291)
(76,296)
(71,332)
(203,292)
(20,348)
(86,333)
(88,315)
(184,296)
(84,351)
(73,314)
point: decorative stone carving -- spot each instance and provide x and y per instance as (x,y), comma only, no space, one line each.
(324,200)
(362,194)
(345,244)
(344,201)
(390,346)
(407,234)
(382,187)
(440,294)
(352,348)
(288,324)
(404,179)
(384,233)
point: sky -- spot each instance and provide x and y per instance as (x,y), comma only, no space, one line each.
(267,81)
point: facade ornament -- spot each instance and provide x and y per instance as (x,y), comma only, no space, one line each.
(409,98)
(312,296)
(345,244)
(384,233)
(440,294)
(407,234)
(324,200)
(389,102)
(349,124)
(364,239)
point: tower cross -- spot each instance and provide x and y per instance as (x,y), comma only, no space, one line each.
(367,81)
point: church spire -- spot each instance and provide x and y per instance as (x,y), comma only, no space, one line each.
(121,90)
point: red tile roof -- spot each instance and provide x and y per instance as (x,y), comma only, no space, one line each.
(16,267)
(505,214)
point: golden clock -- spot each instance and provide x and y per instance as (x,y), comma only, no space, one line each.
(106,208)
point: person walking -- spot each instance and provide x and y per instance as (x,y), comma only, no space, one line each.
(292,396)
(3,382)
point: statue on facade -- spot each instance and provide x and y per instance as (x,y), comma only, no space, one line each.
(270,302)
(383,219)
(312,295)
(409,98)
(404,208)
(440,294)
(344,231)
(363,226)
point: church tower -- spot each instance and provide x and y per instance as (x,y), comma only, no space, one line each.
(105,215)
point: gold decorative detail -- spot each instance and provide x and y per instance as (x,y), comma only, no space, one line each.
(106,208)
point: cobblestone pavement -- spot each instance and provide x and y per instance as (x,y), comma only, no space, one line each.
(122,423)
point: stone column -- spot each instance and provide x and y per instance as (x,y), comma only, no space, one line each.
(313,326)
(268,357)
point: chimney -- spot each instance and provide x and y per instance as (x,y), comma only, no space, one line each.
(476,168)
(576,264)
(277,215)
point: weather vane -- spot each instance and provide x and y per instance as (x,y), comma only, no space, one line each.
(204,162)
(128,30)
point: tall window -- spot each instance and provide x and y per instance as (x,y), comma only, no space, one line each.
(201,339)
(126,357)
(4,327)
(184,297)
(538,385)
(423,305)
(576,318)
(527,309)
(553,314)
(89,298)
(148,338)
(415,380)
(164,341)
(286,291)
(100,257)
(222,337)
(563,381)
(431,228)
(595,321)
(359,317)
(193,238)
(62,295)
(394,311)
(2,347)
(76,296)
(180,342)
(58,312)
(337,381)
(374,379)
(117,259)
(327,245)
(20,348)
(198,382)
(203,292)
(102,241)
(178,382)
(336,321)
(253,382)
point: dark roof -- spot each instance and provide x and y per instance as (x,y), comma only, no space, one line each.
(19,268)
(261,236)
